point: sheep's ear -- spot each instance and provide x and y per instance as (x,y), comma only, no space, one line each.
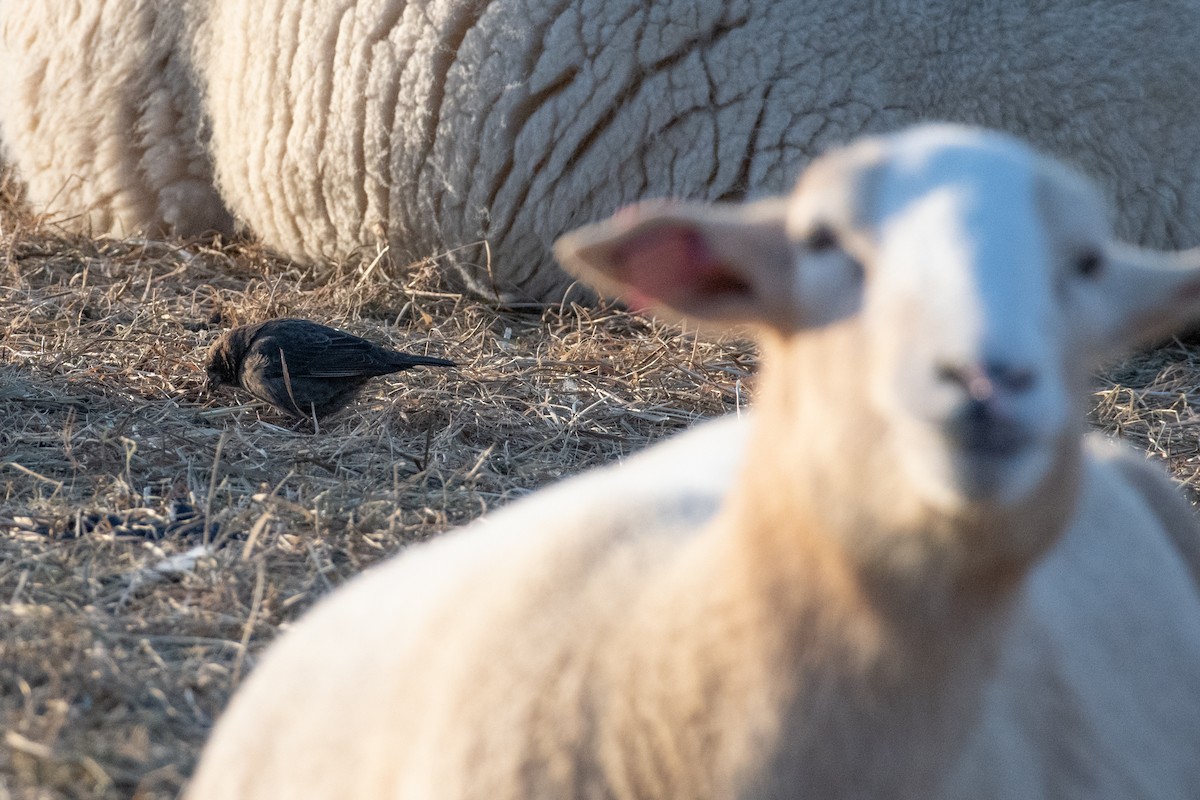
(1148,295)
(712,263)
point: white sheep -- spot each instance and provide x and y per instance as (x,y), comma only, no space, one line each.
(912,574)
(430,126)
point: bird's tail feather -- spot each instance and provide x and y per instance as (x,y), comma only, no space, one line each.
(406,360)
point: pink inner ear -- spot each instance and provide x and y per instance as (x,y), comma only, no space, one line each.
(669,262)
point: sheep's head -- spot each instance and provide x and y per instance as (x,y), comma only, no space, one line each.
(978,267)
(973,282)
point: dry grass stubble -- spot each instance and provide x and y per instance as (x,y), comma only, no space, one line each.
(123,631)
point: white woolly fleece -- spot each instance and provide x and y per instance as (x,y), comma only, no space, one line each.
(339,125)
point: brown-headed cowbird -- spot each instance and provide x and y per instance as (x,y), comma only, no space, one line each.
(302,368)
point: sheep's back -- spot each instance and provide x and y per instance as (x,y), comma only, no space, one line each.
(468,667)
(433,127)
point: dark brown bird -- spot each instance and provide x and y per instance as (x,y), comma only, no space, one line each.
(302,368)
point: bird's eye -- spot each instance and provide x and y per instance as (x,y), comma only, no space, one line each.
(1089,264)
(821,239)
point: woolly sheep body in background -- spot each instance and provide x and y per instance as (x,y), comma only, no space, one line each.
(100,110)
(807,602)
(339,125)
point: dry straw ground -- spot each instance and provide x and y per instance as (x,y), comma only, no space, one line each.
(125,624)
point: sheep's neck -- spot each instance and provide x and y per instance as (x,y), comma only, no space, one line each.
(919,572)
(822,491)
(884,650)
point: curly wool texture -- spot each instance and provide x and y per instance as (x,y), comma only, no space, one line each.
(431,127)
(101,112)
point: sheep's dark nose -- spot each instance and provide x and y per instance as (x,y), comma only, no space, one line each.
(986,421)
(982,382)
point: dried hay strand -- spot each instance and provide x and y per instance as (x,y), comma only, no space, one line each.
(1153,400)
(154,539)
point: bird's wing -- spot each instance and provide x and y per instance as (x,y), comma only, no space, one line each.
(316,351)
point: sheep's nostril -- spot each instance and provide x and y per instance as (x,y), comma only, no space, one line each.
(948,373)
(1013,378)
(972,379)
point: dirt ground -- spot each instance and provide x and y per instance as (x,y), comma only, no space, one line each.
(154,538)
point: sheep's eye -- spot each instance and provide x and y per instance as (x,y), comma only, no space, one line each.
(821,239)
(1089,264)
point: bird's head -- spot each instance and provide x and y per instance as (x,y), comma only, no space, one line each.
(224,360)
